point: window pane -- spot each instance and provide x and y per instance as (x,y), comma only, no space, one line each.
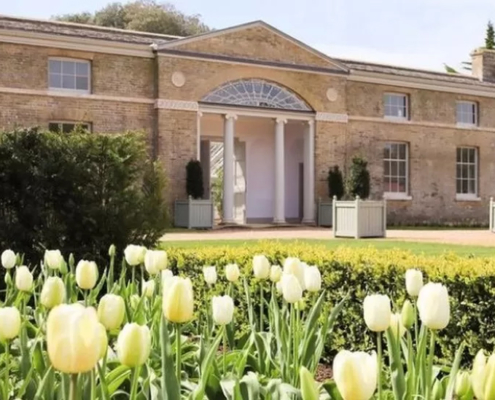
(402,185)
(458,172)
(464,157)
(459,152)
(386,151)
(386,168)
(464,186)
(82,69)
(68,67)
(82,83)
(54,127)
(55,81)
(402,169)
(67,128)
(55,66)
(394,184)
(394,154)
(394,170)
(471,171)
(402,151)
(472,186)
(458,186)
(464,171)
(68,81)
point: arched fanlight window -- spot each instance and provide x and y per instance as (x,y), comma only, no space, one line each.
(256,93)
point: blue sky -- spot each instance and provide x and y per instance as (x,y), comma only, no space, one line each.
(416,33)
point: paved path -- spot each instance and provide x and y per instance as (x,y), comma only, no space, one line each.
(468,237)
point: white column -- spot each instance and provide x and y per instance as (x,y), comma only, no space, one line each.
(279,206)
(228,169)
(309,174)
(198,135)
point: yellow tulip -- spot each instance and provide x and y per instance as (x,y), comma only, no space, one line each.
(178,300)
(53,292)
(73,336)
(111,310)
(11,323)
(134,345)
(86,274)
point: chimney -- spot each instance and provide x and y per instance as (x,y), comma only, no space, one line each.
(483,64)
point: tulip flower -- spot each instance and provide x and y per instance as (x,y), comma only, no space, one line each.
(166,274)
(377,312)
(111,311)
(232,272)
(178,300)
(210,274)
(86,274)
(261,267)
(149,288)
(11,323)
(155,261)
(103,341)
(407,315)
(291,289)
(23,279)
(414,282)
(438,392)
(483,376)
(9,259)
(223,309)
(54,259)
(279,287)
(309,388)
(275,273)
(396,325)
(112,250)
(312,279)
(73,336)
(293,266)
(355,374)
(134,345)
(134,255)
(53,292)
(462,384)
(434,306)
(134,300)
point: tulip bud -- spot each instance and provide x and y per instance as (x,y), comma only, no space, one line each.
(166,274)
(275,273)
(210,274)
(23,279)
(309,388)
(149,288)
(86,274)
(53,259)
(7,279)
(232,272)
(293,266)
(178,300)
(261,267)
(11,323)
(438,392)
(407,315)
(133,345)
(377,312)
(291,289)
(223,309)
(134,299)
(111,311)
(103,341)
(396,325)
(433,306)
(155,261)
(414,282)
(53,292)
(134,255)
(9,259)
(312,279)
(355,374)
(112,250)
(74,338)
(462,384)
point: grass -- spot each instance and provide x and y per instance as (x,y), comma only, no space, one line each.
(416,247)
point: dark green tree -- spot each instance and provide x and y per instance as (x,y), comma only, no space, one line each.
(141,15)
(490,36)
(358,180)
(335,182)
(194,179)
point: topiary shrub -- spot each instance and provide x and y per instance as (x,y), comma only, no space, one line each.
(335,182)
(194,179)
(358,179)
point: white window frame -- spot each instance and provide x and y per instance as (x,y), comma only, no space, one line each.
(75,123)
(77,60)
(468,196)
(398,195)
(395,117)
(476,113)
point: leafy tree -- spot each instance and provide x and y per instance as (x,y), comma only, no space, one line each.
(358,181)
(141,15)
(194,179)
(490,36)
(335,182)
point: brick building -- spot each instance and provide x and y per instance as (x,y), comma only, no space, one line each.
(277,111)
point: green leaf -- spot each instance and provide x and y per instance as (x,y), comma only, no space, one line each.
(250,387)
(449,394)
(396,367)
(309,389)
(332,390)
(170,384)
(206,368)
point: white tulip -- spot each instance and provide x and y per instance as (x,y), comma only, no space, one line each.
(11,323)
(261,267)
(312,279)
(414,282)
(149,288)
(223,309)
(9,259)
(355,374)
(134,255)
(210,274)
(278,286)
(155,261)
(166,274)
(483,376)
(294,266)
(54,259)
(53,292)
(377,312)
(232,272)
(434,306)
(291,289)
(23,279)
(275,273)
(86,274)
(396,324)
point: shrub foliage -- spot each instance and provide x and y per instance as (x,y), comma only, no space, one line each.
(335,182)
(358,179)
(194,179)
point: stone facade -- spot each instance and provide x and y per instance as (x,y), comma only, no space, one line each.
(136,92)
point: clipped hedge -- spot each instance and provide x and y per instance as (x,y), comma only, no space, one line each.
(358,272)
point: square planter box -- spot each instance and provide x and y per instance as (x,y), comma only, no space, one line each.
(193,214)
(359,219)
(325,213)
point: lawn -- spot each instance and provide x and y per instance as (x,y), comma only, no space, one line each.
(415,247)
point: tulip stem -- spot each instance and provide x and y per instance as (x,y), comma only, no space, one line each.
(73,387)
(7,366)
(415,323)
(261,307)
(134,386)
(429,376)
(178,352)
(379,350)
(293,333)
(225,340)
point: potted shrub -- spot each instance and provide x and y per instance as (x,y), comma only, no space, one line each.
(335,183)
(195,212)
(359,218)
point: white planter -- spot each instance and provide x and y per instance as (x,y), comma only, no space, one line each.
(193,214)
(325,213)
(359,218)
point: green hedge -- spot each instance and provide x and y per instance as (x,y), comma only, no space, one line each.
(358,272)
